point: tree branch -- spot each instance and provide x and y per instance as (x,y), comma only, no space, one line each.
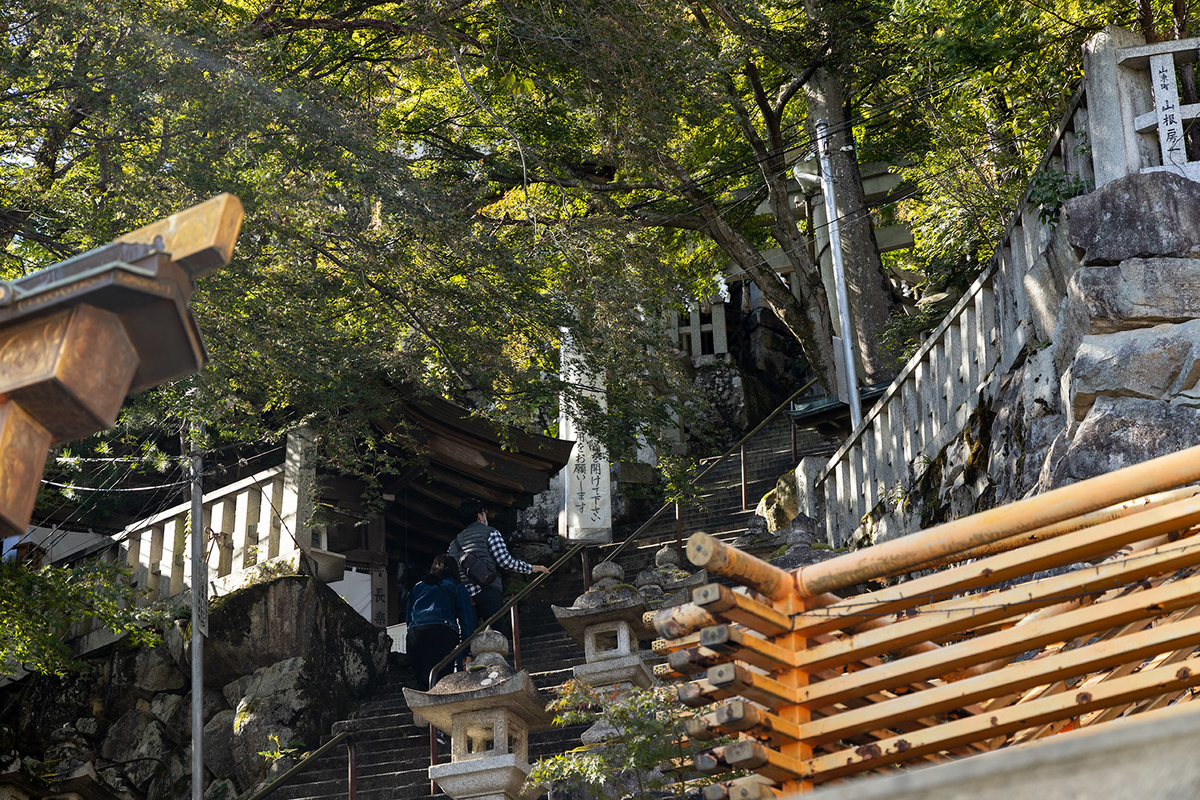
(770,119)
(789,91)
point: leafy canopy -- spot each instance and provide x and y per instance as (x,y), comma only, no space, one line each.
(38,607)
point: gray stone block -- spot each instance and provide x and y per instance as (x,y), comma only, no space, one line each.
(1138,293)
(1151,363)
(218,738)
(1119,433)
(1137,216)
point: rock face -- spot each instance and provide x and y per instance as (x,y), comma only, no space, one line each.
(1109,378)
(308,625)
(1118,383)
(1123,431)
(1138,216)
(1048,278)
(1137,293)
(284,660)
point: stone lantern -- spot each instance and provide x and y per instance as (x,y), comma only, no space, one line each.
(666,584)
(489,711)
(606,621)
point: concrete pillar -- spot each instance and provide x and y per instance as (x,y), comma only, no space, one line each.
(299,490)
(1115,96)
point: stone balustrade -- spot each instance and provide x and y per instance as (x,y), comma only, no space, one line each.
(249,525)
(1115,126)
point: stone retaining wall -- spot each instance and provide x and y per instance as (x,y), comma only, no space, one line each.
(285,659)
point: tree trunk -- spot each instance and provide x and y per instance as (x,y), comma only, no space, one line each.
(869,293)
(808,321)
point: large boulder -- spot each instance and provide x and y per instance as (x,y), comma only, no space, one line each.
(1120,432)
(1152,363)
(1138,216)
(1138,293)
(139,742)
(218,744)
(282,708)
(293,617)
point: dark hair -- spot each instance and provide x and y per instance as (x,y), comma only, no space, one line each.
(469,511)
(444,567)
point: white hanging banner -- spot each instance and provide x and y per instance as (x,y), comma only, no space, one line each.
(587,478)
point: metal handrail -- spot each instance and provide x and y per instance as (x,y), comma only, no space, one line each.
(636,534)
(539,579)
(303,764)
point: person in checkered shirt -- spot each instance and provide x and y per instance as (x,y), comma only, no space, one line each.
(486,543)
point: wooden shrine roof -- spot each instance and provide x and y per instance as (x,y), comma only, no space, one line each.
(460,457)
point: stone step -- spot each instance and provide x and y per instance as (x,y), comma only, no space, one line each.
(392,753)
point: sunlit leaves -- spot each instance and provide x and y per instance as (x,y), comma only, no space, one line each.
(38,607)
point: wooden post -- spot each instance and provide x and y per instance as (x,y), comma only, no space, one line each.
(77,337)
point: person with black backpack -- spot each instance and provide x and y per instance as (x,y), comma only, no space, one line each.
(481,553)
(439,617)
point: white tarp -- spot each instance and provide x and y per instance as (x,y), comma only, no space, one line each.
(355,589)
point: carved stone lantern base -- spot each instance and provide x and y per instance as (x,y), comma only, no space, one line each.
(494,778)
(622,673)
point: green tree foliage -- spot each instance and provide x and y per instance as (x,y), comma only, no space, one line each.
(362,269)
(976,90)
(435,191)
(642,759)
(38,607)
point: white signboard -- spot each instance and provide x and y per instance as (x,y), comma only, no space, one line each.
(587,479)
(200,598)
(1166,103)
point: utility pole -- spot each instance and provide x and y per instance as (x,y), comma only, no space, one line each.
(839,276)
(199,613)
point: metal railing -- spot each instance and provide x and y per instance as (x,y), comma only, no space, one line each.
(1059,612)
(740,447)
(310,759)
(580,548)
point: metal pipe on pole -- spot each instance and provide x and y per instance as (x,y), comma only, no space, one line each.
(199,614)
(839,274)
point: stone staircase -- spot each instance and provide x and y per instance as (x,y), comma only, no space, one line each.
(718,510)
(392,754)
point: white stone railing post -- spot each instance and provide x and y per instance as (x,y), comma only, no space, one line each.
(299,490)
(1116,97)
